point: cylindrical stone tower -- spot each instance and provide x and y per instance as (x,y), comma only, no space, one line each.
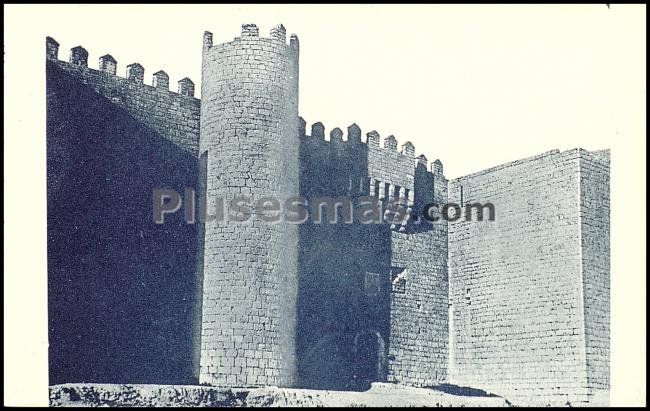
(249,148)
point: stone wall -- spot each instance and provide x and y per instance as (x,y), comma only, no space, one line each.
(122,291)
(344,269)
(174,116)
(419,298)
(405,321)
(516,283)
(594,223)
(249,146)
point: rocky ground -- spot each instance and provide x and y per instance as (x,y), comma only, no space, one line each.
(379,394)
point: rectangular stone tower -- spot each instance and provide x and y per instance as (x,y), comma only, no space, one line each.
(529,292)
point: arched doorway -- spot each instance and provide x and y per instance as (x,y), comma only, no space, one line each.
(370,358)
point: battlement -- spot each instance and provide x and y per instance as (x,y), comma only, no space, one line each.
(353,139)
(107,64)
(389,161)
(173,115)
(250,32)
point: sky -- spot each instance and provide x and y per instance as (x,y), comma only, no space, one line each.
(474,86)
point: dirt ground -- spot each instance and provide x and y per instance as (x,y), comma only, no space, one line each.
(379,394)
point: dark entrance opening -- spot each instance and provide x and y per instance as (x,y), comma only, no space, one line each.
(369,359)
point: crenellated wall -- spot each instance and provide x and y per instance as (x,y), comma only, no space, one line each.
(404,319)
(175,115)
(123,291)
(388,173)
(249,113)
(517,306)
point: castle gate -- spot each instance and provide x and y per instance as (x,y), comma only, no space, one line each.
(370,357)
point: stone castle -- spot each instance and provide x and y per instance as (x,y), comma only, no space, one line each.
(518,306)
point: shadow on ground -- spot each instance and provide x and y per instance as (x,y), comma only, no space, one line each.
(458,390)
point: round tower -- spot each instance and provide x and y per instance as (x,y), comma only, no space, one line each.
(249,151)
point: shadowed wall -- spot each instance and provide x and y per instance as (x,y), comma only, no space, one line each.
(122,290)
